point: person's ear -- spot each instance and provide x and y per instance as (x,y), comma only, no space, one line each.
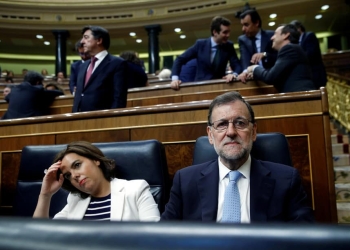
(210,135)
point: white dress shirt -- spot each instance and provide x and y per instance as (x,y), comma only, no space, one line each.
(100,56)
(243,185)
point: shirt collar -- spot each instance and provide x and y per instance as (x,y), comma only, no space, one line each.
(213,43)
(244,169)
(258,35)
(101,55)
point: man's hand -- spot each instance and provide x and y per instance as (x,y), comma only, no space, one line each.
(256,58)
(229,77)
(175,84)
(242,77)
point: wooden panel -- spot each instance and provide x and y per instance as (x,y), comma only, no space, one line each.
(97,136)
(9,171)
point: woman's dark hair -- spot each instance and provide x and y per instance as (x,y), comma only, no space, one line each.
(87,150)
(130,56)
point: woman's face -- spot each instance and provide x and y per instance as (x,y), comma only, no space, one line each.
(85,175)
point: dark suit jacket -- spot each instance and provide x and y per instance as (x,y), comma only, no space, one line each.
(246,49)
(26,100)
(276,194)
(188,71)
(202,51)
(311,46)
(107,87)
(291,71)
(74,71)
(136,76)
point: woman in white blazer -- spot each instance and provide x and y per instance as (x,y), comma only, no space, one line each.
(95,193)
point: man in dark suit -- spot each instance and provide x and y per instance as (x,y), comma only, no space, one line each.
(291,71)
(30,98)
(255,44)
(267,192)
(309,43)
(101,80)
(210,64)
(74,68)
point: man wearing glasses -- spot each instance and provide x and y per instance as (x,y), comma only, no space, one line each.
(223,190)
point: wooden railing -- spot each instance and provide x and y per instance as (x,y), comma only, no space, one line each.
(301,116)
(163,94)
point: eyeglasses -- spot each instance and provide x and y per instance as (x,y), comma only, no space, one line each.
(239,124)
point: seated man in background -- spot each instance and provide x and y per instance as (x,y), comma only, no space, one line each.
(30,98)
(309,43)
(212,55)
(136,75)
(235,187)
(6,91)
(291,71)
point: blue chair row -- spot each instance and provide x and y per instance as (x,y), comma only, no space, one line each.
(134,160)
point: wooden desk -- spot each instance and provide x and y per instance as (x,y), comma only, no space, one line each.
(162,94)
(301,116)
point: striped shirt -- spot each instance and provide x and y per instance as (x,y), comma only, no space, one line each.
(99,209)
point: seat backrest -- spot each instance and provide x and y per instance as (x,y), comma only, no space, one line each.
(267,147)
(134,160)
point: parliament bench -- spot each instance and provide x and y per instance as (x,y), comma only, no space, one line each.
(302,116)
(33,234)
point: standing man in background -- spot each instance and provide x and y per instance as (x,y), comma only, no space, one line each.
(212,55)
(309,42)
(74,68)
(101,80)
(255,44)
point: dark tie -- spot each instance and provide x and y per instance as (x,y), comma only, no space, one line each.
(91,68)
(216,60)
(231,211)
(255,50)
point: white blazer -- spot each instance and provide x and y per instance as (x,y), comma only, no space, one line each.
(130,201)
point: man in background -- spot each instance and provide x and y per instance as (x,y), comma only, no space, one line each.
(74,68)
(30,98)
(102,82)
(255,44)
(309,42)
(212,55)
(291,71)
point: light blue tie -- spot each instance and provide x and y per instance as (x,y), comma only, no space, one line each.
(232,202)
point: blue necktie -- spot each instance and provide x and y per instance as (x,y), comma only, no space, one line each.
(232,202)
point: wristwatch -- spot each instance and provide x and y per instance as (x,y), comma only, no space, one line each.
(264,54)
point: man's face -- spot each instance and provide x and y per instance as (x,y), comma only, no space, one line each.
(278,38)
(89,43)
(249,28)
(6,91)
(232,144)
(223,35)
(84,56)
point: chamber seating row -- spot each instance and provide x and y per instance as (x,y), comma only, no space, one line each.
(134,160)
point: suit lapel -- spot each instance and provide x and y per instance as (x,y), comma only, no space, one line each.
(82,73)
(208,191)
(261,190)
(264,41)
(117,199)
(208,49)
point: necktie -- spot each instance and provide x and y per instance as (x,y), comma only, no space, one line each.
(232,202)
(216,60)
(255,50)
(91,68)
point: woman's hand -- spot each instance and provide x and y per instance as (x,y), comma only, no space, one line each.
(50,184)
